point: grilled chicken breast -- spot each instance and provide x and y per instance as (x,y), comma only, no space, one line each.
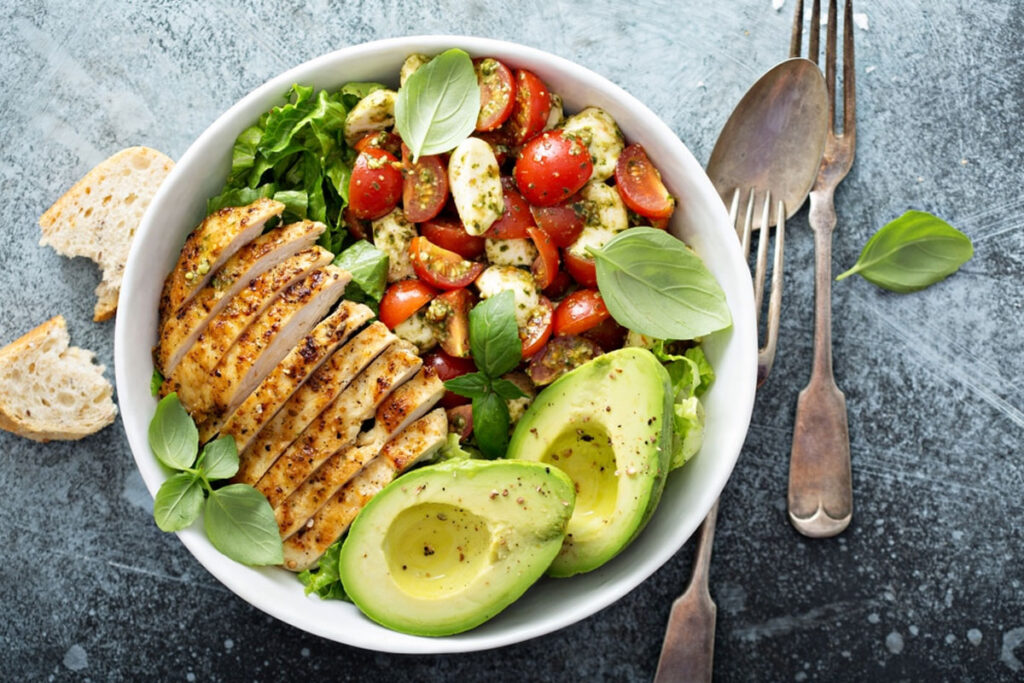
(193,372)
(404,406)
(178,331)
(339,424)
(217,238)
(306,404)
(418,441)
(301,362)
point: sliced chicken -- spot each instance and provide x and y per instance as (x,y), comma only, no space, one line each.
(217,238)
(227,326)
(178,331)
(267,340)
(301,362)
(339,424)
(309,401)
(404,406)
(418,442)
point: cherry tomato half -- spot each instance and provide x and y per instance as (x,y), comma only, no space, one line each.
(497,93)
(448,367)
(516,220)
(402,299)
(530,112)
(448,233)
(581,268)
(561,222)
(551,168)
(582,310)
(500,141)
(357,227)
(375,185)
(382,139)
(440,267)
(559,286)
(460,417)
(450,313)
(424,188)
(609,335)
(640,186)
(545,266)
(538,328)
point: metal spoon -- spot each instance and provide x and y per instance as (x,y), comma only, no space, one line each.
(771,145)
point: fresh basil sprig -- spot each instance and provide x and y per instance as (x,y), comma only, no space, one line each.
(912,252)
(653,284)
(438,106)
(496,348)
(238,519)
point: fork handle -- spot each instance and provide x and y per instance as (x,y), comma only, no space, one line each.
(820,483)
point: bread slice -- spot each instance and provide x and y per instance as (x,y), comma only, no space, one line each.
(97,218)
(49,391)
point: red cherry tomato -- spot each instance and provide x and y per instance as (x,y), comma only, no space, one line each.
(530,112)
(450,312)
(559,286)
(402,299)
(640,186)
(582,269)
(659,223)
(357,227)
(582,310)
(561,222)
(609,335)
(516,219)
(449,234)
(551,168)
(375,185)
(500,141)
(425,187)
(382,139)
(538,328)
(497,93)
(441,268)
(545,266)
(448,367)
(460,417)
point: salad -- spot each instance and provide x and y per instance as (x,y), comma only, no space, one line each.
(533,373)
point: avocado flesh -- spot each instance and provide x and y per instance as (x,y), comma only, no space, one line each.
(446,547)
(605,424)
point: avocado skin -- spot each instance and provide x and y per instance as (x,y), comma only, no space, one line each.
(532,531)
(612,402)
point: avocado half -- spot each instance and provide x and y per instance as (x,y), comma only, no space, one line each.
(605,424)
(446,547)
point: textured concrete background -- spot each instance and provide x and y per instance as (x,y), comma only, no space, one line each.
(926,583)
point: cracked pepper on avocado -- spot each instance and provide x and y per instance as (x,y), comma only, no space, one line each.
(508,414)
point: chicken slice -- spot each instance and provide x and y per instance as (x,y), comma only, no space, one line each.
(309,401)
(339,424)
(302,361)
(217,238)
(404,406)
(227,326)
(266,341)
(178,331)
(418,442)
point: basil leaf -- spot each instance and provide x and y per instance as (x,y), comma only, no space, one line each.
(220,458)
(912,252)
(369,268)
(437,108)
(155,382)
(653,284)
(178,502)
(507,390)
(472,385)
(494,335)
(490,425)
(240,523)
(173,435)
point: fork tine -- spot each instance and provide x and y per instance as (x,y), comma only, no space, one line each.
(830,65)
(762,254)
(813,31)
(798,30)
(748,225)
(849,76)
(766,354)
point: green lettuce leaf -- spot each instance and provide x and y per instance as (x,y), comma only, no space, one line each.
(369,268)
(691,375)
(325,579)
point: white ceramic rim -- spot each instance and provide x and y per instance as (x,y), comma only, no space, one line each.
(728,411)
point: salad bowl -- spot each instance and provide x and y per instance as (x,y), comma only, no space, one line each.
(700,220)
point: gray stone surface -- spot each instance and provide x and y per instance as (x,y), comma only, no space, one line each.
(926,583)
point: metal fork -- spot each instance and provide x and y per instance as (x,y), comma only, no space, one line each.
(820,483)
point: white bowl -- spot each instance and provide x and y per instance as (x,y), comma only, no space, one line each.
(700,220)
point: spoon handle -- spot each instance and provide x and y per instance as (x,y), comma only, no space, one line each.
(689,649)
(820,484)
